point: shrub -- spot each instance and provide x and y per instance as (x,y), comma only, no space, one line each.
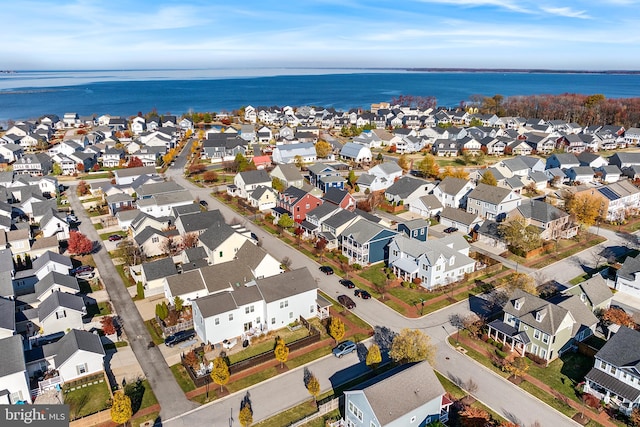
(536,359)
(140,290)
(499,345)
(501,354)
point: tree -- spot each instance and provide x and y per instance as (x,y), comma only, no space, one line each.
(518,367)
(189,240)
(79,244)
(520,281)
(488,178)
(336,328)
(404,162)
(313,387)
(135,162)
(210,176)
(245,417)
(285,221)
(178,304)
(121,411)
(299,161)
(351,179)
(106,323)
(83,188)
(373,356)
(635,417)
(585,208)
(129,251)
(80,167)
(454,173)
(412,345)
(162,310)
(618,316)
(277,184)
(196,168)
(428,166)
(56,169)
(320,247)
(220,373)
(241,163)
(323,149)
(474,417)
(519,235)
(281,351)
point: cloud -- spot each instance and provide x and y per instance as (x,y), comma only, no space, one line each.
(567,12)
(513,6)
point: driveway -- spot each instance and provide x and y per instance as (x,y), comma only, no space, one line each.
(169,394)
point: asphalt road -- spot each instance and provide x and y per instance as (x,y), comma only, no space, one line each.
(170,396)
(269,397)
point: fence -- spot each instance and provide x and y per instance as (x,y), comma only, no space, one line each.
(170,330)
(323,408)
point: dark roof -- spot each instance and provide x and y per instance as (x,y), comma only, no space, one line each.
(76,340)
(189,281)
(51,256)
(58,300)
(458,215)
(255,177)
(7,314)
(216,234)
(596,290)
(335,195)
(200,220)
(12,355)
(489,193)
(613,384)
(157,269)
(629,268)
(540,211)
(405,186)
(623,349)
(53,278)
(287,284)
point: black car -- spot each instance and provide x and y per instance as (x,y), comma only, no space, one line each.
(347,283)
(326,269)
(346,301)
(204,203)
(450,229)
(362,294)
(179,337)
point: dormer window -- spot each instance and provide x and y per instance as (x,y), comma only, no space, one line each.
(517,304)
(538,317)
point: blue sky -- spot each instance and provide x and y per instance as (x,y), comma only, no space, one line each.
(117,34)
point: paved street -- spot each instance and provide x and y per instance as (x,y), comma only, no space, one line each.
(170,396)
(267,398)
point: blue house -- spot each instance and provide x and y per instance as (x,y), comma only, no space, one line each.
(415,229)
(365,242)
(408,396)
(325,177)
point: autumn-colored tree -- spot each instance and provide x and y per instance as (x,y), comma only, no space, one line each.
(96,167)
(121,411)
(135,162)
(281,351)
(196,168)
(79,244)
(210,176)
(454,172)
(323,149)
(488,178)
(298,161)
(80,167)
(618,316)
(320,247)
(428,166)
(189,240)
(518,367)
(245,417)
(404,162)
(313,386)
(83,188)
(635,417)
(520,281)
(106,323)
(336,328)
(471,416)
(412,345)
(220,373)
(519,235)
(585,208)
(373,356)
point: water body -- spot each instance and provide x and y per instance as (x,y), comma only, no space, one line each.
(25,95)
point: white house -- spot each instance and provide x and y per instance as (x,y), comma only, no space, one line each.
(356,152)
(453,192)
(256,307)
(492,202)
(434,262)
(380,177)
(246,182)
(13,374)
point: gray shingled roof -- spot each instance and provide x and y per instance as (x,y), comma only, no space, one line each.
(630,267)
(451,185)
(53,257)
(623,349)
(540,211)
(12,355)
(596,290)
(255,177)
(7,314)
(216,234)
(158,269)
(552,315)
(221,276)
(74,341)
(458,215)
(287,284)
(215,304)
(200,220)
(363,231)
(59,300)
(403,392)
(190,281)
(55,278)
(406,185)
(489,193)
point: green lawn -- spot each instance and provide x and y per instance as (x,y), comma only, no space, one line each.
(137,422)
(127,280)
(141,395)
(268,344)
(87,400)
(100,309)
(105,236)
(374,274)
(154,331)
(98,226)
(564,373)
(182,377)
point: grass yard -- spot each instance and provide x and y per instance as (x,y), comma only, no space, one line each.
(87,400)
(137,422)
(100,309)
(564,373)
(154,331)
(182,377)
(141,395)
(105,236)
(268,344)
(127,280)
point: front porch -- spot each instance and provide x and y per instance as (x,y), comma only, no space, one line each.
(508,335)
(612,391)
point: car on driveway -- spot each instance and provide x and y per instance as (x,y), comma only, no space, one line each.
(204,203)
(344,348)
(85,275)
(326,269)
(347,283)
(362,294)
(450,230)
(346,301)
(81,269)
(179,337)
(115,237)
(72,218)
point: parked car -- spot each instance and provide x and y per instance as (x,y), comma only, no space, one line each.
(204,203)
(326,269)
(344,348)
(450,229)
(85,275)
(115,237)
(346,301)
(347,283)
(362,294)
(72,218)
(81,269)
(179,337)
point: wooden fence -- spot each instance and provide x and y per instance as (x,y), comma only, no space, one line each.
(170,330)
(323,408)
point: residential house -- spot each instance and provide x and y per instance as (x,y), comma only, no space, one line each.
(297,202)
(609,174)
(197,222)
(324,177)
(304,153)
(261,162)
(379,177)
(433,263)
(407,189)
(128,175)
(595,293)
(411,395)
(119,201)
(221,242)
(255,307)
(52,223)
(491,202)
(356,153)
(288,174)
(453,192)
(11,152)
(563,161)
(245,182)
(552,222)
(416,229)
(14,380)
(580,174)
(153,274)
(161,205)
(59,312)
(592,160)
(632,136)
(364,242)
(37,164)
(263,198)
(460,219)
(614,377)
(153,242)
(426,206)
(542,328)
(618,200)
(340,198)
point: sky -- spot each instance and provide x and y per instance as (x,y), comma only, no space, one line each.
(162,34)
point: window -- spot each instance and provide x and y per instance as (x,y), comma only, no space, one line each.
(312,308)
(273,320)
(603,365)
(230,317)
(284,303)
(258,319)
(545,338)
(220,255)
(291,315)
(61,314)
(536,334)
(155,239)
(355,411)
(613,370)
(81,369)
(216,321)
(249,309)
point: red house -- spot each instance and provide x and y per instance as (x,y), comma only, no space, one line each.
(298,202)
(340,198)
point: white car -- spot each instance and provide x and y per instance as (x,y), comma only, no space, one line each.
(85,275)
